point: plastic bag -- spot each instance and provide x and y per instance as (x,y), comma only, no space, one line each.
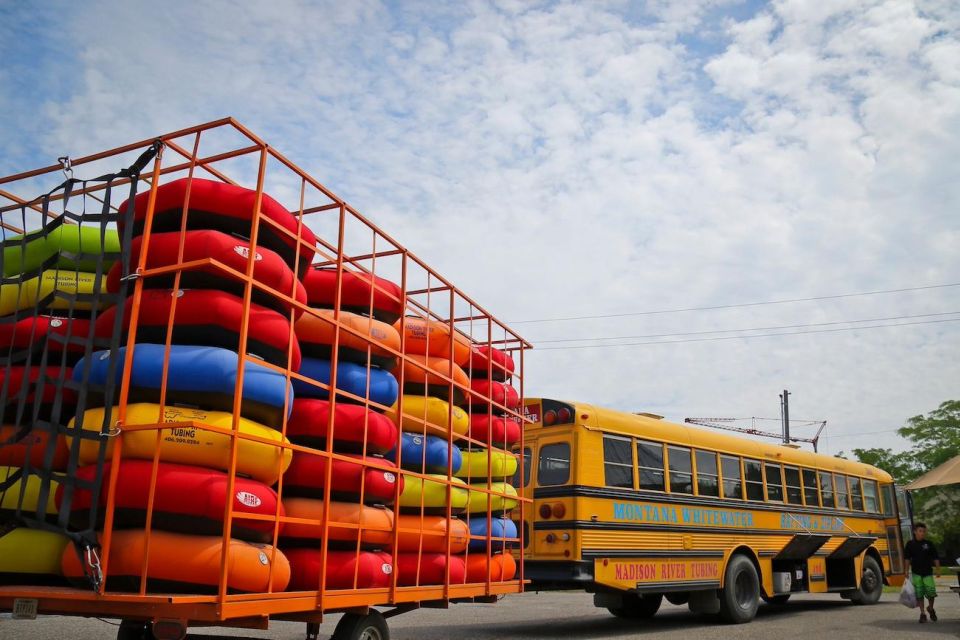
(908,595)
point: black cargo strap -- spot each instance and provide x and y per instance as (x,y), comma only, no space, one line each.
(54,420)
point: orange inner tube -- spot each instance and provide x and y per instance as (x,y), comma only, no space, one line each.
(434,534)
(316,334)
(436,367)
(373,525)
(432,338)
(500,567)
(186,563)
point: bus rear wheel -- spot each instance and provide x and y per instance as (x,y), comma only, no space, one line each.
(637,606)
(740,596)
(871,583)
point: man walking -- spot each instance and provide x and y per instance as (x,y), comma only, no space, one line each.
(923,557)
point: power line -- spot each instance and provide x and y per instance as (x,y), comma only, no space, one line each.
(742,304)
(782,326)
(756,335)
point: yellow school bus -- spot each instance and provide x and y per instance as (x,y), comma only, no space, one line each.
(635,509)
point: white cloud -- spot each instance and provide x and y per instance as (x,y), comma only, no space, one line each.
(574,159)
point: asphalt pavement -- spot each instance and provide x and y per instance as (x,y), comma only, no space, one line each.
(534,616)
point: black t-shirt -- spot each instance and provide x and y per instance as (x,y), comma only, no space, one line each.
(921,556)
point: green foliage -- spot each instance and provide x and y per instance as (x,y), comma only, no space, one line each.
(935,438)
(900,465)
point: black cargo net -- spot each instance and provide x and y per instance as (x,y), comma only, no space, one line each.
(53,291)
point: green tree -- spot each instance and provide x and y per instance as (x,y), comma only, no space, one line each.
(935,438)
(900,465)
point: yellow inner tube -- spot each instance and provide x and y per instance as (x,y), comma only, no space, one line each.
(10,497)
(429,414)
(474,467)
(191,445)
(434,493)
(30,551)
(477,502)
(14,297)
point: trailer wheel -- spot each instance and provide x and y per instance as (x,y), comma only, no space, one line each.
(740,596)
(637,606)
(871,583)
(353,626)
(134,630)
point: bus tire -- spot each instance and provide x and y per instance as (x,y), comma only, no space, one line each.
(354,626)
(740,596)
(638,606)
(871,583)
(776,600)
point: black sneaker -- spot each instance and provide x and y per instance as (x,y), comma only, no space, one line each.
(923,618)
(933,614)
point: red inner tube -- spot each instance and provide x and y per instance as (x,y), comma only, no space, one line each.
(31,331)
(218,205)
(308,425)
(499,392)
(207,318)
(371,568)
(187,499)
(499,431)
(307,476)
(269,269)
(430,569)
(490,359)
(355,293)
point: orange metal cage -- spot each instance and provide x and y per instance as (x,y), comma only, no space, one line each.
(224,150)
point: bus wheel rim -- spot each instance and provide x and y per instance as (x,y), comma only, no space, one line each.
(869,580)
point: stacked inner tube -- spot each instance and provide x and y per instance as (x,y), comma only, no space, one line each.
(50,289)
(435,426)
(184,496)
(490,505)
(348,355)
(364,445)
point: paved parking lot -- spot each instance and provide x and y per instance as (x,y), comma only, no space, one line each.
(572,615)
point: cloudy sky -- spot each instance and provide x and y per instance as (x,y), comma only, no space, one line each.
(559,160)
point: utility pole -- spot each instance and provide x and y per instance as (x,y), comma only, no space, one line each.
(785,406)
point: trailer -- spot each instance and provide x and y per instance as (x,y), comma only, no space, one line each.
(230,398)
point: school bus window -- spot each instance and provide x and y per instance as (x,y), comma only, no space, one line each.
(617,462)
(525,466)
(856,495)
(732,485)
(553,468)
(791,478)
(708,476)
(753,471)
(826,489)
(843,494)
(650,461)
(681,469)
(811,496)
(774,483)
(870,496)
(887,490)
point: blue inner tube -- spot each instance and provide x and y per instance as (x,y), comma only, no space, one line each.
(351,377)
(426,454)
(500,528)
(199,376)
